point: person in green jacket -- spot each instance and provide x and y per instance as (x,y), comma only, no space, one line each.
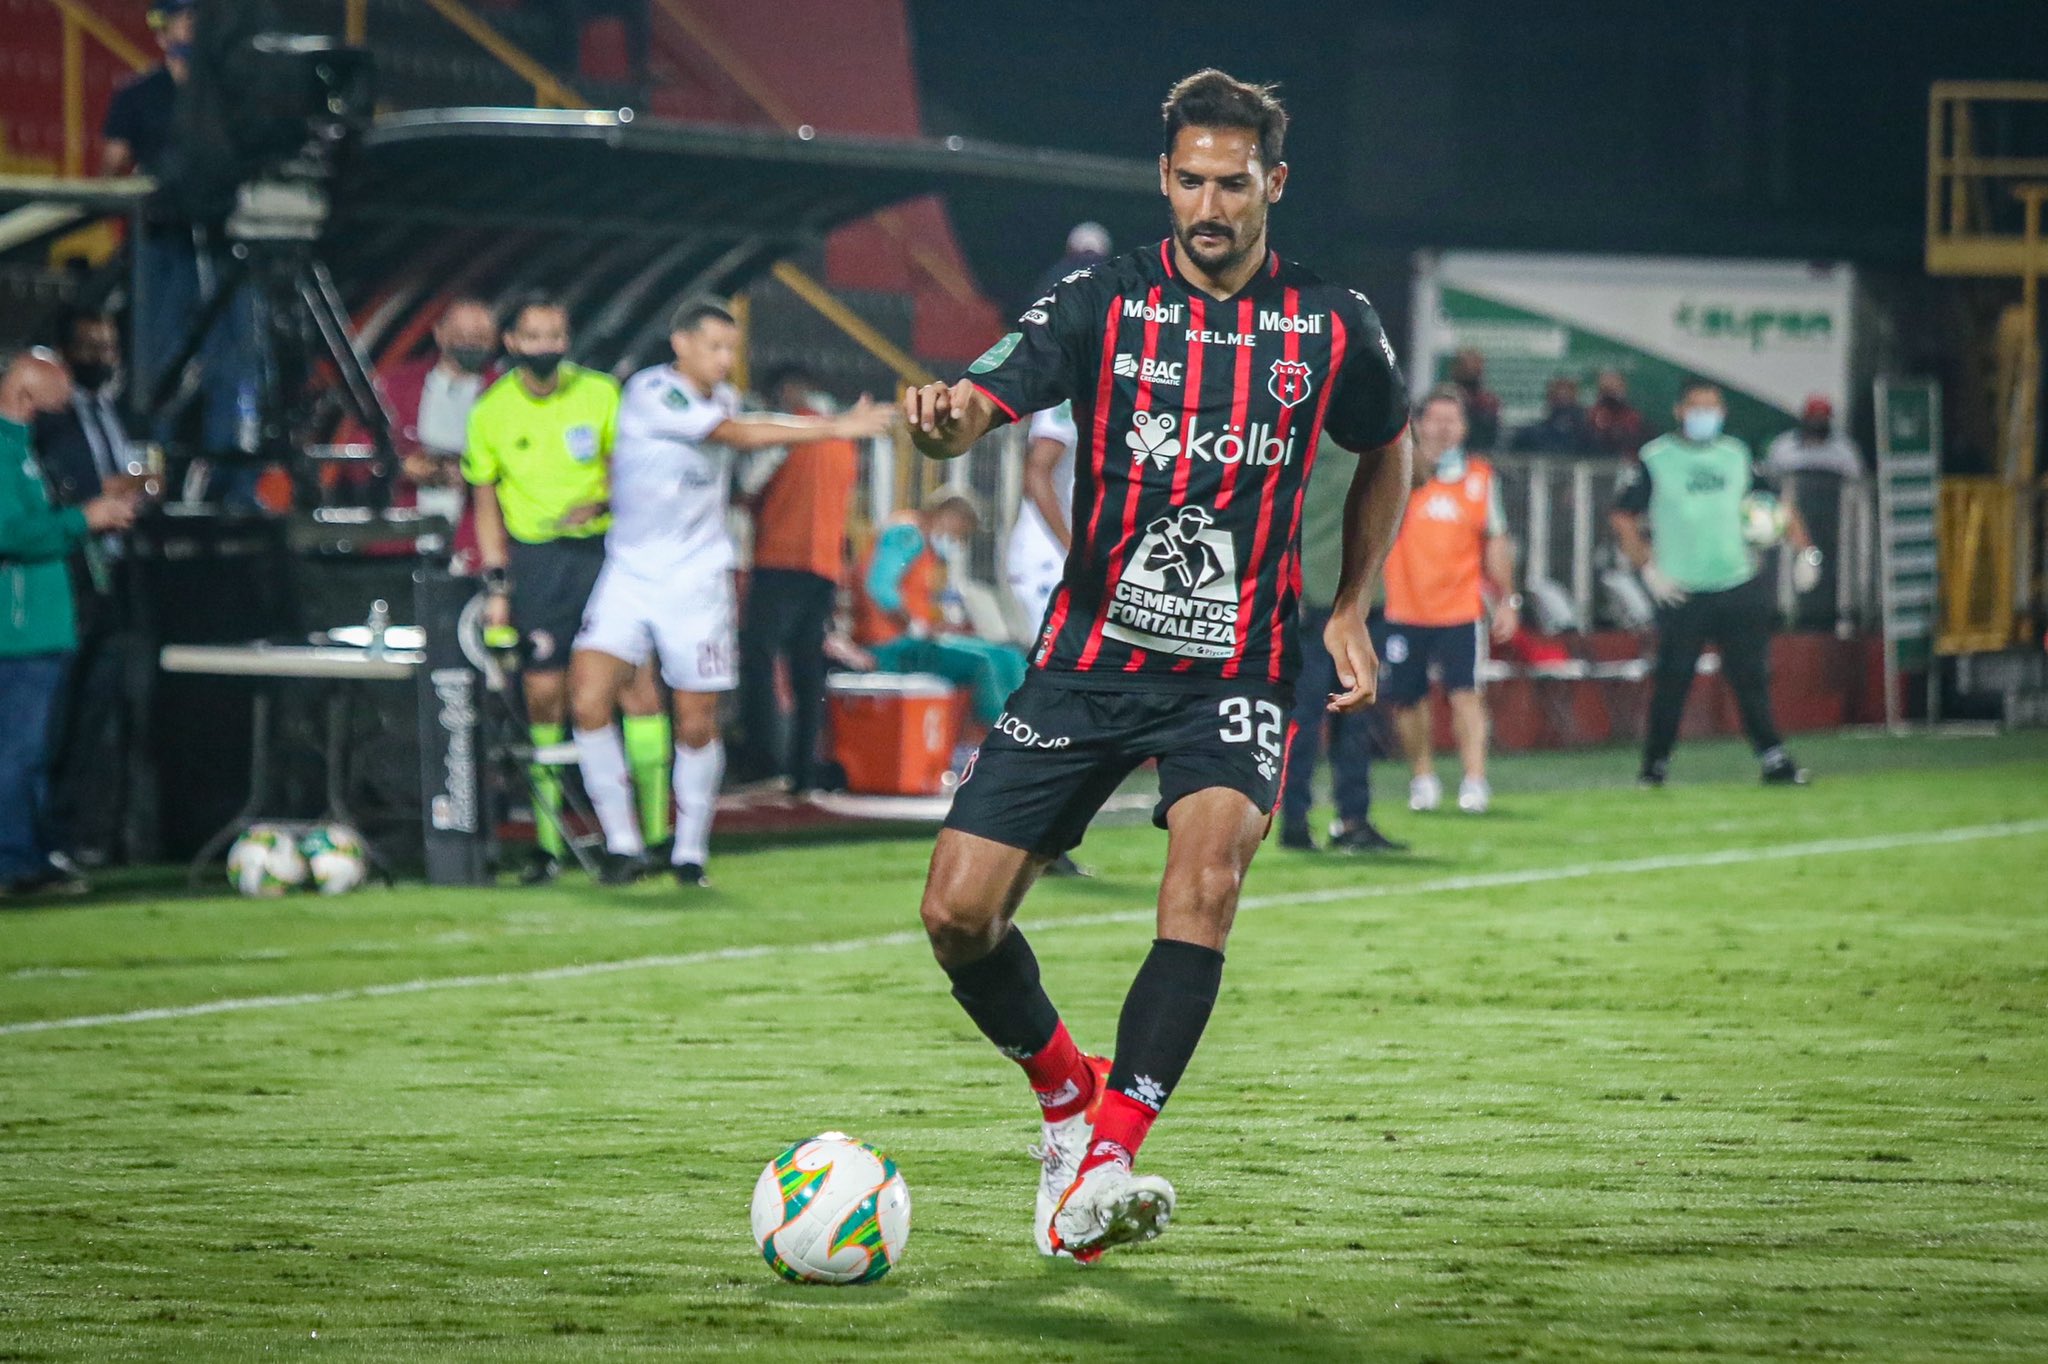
(37,629)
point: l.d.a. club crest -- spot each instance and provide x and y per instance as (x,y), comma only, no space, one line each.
(1290,381)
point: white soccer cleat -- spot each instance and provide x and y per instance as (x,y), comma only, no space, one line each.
(1475,797)
(1059,1156)
(1109,1206)
(1425,792)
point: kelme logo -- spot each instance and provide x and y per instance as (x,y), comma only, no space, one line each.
(996,354)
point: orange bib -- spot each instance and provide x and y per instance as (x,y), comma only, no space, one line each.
(1434,573)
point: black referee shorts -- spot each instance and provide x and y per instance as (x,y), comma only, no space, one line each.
(551,581)
(1061,749)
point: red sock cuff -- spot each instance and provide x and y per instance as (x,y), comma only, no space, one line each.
(1060,1076)
(1121,1126)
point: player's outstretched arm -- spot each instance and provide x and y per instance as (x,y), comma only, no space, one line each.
(1372,514)
(945,419)
(864,419)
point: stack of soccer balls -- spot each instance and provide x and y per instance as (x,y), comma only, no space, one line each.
(268,860)
(831,1210)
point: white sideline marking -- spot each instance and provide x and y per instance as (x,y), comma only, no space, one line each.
(1826,847)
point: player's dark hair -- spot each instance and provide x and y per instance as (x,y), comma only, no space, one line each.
(1695,384)
(692,313)
(1213,99)
(527,302)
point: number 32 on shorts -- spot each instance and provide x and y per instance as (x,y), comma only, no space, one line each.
(1238,727)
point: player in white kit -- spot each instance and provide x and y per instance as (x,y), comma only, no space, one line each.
(1037,556)
(666,591)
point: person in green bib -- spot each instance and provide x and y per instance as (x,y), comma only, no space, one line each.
(538,457)
(1701,566)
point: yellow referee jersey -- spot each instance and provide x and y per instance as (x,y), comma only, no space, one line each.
(546,456)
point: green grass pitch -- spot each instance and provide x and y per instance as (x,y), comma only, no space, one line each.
(1715,1073)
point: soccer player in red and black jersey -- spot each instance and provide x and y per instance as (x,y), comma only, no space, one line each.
(1202,370)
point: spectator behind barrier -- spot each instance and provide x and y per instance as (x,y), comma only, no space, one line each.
(1617,428)
(899,619)
(1814,446)
(430,398)
(1563,428)
(1482,405)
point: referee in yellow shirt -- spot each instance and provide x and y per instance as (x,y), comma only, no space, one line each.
(538,457)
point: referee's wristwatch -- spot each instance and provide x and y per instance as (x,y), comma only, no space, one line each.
(497,582)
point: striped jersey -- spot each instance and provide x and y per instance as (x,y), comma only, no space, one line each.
(1198,420)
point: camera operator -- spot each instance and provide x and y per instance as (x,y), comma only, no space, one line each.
(177,264)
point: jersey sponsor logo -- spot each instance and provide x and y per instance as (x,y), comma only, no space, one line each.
(582,442)
(1440,507)
(1027,734)
(1308,324)
(1036,315)
(996,354)
(1178,594)
(1387,349)
(1705,481)
(1162,312)
(1149,370)
(1290,382)
(676,398)
(1209,338)
(1152,437)
(1080,274)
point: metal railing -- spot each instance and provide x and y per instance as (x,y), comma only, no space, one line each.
(1557,510)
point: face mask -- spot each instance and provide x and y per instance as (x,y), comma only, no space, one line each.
(92,375)
(1702,424)
(542,364)
(179,52)
(472,359)
(946,546)
(1819,430)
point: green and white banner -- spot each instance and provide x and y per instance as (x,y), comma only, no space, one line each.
(1770,332)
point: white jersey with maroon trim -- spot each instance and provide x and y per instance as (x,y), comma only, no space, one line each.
(1198,419)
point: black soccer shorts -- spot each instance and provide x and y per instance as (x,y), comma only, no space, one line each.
(551,582)
(1062,748)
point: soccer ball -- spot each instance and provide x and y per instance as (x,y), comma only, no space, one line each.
(831,1210)
(265,861)
(334,855)
(1764,520)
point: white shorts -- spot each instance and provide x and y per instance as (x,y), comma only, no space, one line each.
(1033,567)
(687,622)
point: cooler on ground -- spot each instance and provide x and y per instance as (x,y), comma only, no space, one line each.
(893,732)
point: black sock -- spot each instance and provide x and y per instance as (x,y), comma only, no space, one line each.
(1163,1018)
(1002,995)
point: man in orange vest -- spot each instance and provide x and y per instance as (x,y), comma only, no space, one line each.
(1453,547)
(801,496)
(898,618)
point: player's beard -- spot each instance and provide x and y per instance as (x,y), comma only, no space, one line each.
(1230,257)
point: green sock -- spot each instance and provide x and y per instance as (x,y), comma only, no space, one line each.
(647,752)
(547,793)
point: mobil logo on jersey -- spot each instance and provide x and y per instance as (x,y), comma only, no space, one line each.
(1290,381)
(1154,436)
(1178,592)
(1152,312)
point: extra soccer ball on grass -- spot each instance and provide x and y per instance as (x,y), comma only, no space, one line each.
(335,858)
(265,861)
(1764,520)
(831,1210)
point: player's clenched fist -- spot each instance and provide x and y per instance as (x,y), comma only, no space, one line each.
(945,418)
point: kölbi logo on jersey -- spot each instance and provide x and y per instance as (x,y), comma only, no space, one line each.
(1152,437)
